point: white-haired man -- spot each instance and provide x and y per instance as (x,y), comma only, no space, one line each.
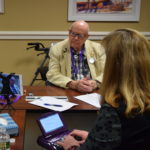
(77,62)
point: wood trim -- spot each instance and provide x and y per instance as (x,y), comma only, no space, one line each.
(50,35)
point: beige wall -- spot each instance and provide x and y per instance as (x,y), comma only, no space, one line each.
(45,15)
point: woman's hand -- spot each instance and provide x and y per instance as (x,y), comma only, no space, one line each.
(82,133)
(69,143)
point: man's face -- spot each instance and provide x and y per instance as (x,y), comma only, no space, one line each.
(77,38)
(12,82)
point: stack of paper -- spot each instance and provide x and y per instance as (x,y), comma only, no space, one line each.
(93,99)
(33,98)
(53,103)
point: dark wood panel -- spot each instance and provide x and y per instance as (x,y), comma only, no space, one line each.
(19,116)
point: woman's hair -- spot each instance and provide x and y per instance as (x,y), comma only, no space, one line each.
(127,70)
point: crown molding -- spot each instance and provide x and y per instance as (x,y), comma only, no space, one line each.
(50,35)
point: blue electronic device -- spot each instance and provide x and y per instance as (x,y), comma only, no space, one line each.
(53,128)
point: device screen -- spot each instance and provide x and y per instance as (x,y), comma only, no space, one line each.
(51,123)
(14,84)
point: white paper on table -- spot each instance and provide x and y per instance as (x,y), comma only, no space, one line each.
(53,101)
(93,99)
(33,98)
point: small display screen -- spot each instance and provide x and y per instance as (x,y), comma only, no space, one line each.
(11,83)
(51,123)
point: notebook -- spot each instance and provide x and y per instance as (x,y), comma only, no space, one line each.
(53,128)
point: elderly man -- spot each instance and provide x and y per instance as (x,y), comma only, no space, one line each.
(76,62)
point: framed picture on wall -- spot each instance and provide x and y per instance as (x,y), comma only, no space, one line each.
(1,6)
(104,10)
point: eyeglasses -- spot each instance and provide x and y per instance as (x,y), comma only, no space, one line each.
(73,34)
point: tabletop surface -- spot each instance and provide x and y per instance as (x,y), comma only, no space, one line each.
(51,91)
(19,116)
(21,106)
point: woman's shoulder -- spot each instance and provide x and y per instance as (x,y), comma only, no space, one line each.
(108,112)
(107,107)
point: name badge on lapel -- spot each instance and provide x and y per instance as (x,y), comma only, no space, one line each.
(91,60)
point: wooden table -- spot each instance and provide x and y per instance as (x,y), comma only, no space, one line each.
(51,91)
(21,106)
(19,117)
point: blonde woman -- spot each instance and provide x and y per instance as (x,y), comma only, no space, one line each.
(124,118)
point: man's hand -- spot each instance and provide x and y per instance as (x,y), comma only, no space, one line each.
(73,84)
(86,85)
(93,84)
(83,85)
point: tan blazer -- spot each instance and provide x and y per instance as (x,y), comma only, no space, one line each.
(60,62)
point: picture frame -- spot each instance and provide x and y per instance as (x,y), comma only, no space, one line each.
(15,84)
(104,10)
(1,6)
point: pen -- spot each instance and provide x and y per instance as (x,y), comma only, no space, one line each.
(56,105)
